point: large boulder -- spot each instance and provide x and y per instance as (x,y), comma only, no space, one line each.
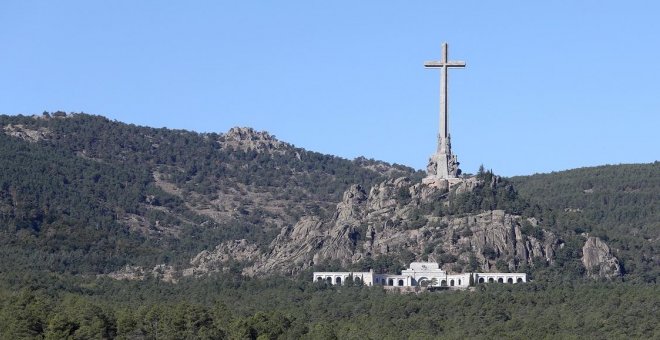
(598,260)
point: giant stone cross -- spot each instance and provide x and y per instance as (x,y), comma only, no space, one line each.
(443,164)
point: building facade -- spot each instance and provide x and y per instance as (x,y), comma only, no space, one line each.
(419,274)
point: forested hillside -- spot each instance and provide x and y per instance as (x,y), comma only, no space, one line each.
(618,203)
(82,196)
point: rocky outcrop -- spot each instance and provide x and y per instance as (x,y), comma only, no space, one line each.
(313,240)
(293,248)
(242,138)
(389,219)
(383,168)
(598,260)
(217,260)
(161,272)
(27,134)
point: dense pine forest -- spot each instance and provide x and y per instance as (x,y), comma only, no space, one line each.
(82,196)
(620,204)
(234,307)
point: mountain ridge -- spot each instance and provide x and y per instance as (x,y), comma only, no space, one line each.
(237,185)
(192,193)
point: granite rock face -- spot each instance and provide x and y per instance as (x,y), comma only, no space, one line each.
(598,259)
(27,134)
(213,261)
(388,220)
(244,138)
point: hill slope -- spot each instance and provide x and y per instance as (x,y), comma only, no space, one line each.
(618,203)
(83,194)
(80,193)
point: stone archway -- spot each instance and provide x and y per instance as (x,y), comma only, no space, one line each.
(338,280)
(481,280)
(401,283)
(328,279)
(500,280)
(509,280)
(319,279)
(443,283)
(390,282)
(423,282)
(491,280)
(451,283)
(520,280)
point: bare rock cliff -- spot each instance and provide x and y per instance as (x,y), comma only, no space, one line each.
(598,260)
(388,220)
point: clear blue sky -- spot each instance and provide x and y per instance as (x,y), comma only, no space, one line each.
(549,85)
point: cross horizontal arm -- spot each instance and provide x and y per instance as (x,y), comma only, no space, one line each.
(447,64)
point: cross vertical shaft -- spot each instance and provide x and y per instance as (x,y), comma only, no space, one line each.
(446,164)
(443,129)
(444,121)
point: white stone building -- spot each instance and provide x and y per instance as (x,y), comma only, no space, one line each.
(423,274)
